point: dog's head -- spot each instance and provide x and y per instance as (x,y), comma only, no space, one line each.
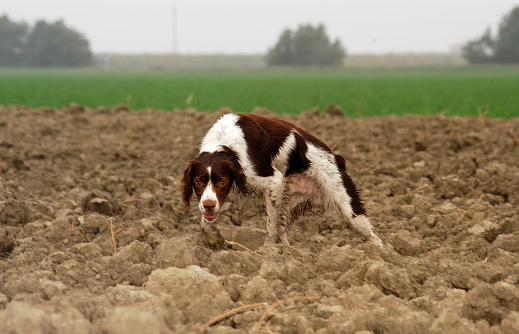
(211,176)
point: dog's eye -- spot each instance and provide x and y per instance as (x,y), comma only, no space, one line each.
(221,182)
(198,182)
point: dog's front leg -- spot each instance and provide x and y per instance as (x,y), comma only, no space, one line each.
(277,231)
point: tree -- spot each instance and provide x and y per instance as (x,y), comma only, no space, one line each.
(54,44)
(308,45)
(502,49)
(283,52)
(13,37)
(480,50)
(46,44)
(506,48)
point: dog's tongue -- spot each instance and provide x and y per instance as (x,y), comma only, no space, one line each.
(210,215)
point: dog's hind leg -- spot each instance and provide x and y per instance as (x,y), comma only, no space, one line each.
(352,209)
(340,192)
(357,221)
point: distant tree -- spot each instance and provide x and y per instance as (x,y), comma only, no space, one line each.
(283,52)
(54,44)
(503,49)
(308,45)
(480,50)
(506,48)
(13,37)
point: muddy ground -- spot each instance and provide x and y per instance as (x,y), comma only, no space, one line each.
(94,239)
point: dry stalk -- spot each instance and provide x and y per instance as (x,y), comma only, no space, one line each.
(244,247)
(401,225)
(417,190)
(113,235)
(232,312)
(265,314)
(481,118)
(84,234)
(334,146)
(516,139)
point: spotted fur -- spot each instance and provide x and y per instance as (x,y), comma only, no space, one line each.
(293,170)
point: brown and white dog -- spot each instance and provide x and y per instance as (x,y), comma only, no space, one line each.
(294,170)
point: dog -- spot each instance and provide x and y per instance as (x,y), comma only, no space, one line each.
(287,165)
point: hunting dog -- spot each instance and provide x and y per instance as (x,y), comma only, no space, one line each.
(292,169)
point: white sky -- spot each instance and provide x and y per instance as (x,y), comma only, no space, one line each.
(246,26)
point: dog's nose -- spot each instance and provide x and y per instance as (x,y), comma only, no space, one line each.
(209,205)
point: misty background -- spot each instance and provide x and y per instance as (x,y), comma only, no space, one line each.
(239,33)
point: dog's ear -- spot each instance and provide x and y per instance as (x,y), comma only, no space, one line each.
(238,175)
(187,183)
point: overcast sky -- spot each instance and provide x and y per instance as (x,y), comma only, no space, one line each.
(246,26)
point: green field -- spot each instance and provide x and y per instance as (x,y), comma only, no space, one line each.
(456,91)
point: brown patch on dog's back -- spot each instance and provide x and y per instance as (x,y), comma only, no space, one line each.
(264,138)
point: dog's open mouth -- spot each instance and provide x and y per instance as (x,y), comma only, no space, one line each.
(210,216)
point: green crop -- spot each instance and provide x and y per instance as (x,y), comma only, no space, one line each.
(464,92)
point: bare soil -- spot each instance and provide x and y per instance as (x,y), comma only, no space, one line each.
(94,238)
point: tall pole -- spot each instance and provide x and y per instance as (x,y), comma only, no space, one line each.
(175,30)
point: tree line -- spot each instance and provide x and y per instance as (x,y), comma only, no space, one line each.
(43,45)
(309,45)
(503,48)
(56,45)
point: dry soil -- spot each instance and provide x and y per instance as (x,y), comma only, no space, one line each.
(93,236)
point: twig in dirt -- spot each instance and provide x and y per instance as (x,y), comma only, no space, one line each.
(334,146)
(232,312)
(481,117)
(516,139)
(84,234)
(265,314)
(266,330)
(113,235)
(320,243)
(417,189)
(240,245)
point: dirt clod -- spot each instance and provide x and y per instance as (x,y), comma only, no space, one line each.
(94,236)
